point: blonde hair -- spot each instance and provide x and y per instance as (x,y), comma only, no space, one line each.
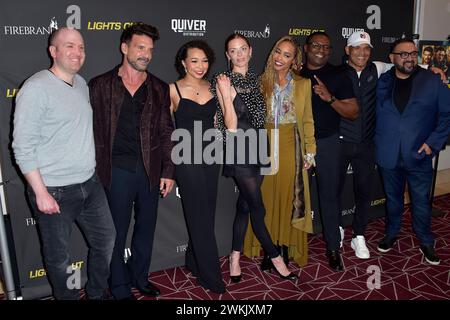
(268,76)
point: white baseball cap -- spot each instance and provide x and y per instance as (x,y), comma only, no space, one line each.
(357,38)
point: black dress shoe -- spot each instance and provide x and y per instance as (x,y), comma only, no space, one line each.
(149,290)
(334,260)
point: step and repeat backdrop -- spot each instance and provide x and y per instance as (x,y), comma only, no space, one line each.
(24,30)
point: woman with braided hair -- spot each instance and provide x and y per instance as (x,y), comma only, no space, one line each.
(286,192)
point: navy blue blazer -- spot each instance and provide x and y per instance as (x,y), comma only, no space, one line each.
(426,119)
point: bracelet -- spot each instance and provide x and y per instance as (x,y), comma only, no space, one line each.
(332,99)
(309,157)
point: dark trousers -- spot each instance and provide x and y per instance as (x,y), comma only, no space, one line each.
(198,188)
(84,203)
(328,182)
(362,158)
(419,183)
(250,203)
(128,188)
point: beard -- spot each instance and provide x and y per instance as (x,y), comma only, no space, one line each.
(407,67)
(139,66)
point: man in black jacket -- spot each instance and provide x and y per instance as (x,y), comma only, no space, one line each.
(132,129)
(357,135)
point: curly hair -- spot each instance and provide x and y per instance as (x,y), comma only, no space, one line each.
(183,51)
(268,76)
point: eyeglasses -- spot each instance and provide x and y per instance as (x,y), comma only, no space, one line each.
(317,46)
(404,55)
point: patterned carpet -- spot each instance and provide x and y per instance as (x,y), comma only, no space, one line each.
(403,273)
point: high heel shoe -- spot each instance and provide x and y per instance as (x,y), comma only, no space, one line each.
(290,276)
(266,263)
(237,278)
(285,254)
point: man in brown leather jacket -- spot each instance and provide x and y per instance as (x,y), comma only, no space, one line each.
(132,129)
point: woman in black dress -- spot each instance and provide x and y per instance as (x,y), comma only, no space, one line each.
(241,106)
(193,105)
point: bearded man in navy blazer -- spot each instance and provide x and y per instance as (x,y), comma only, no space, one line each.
(412,125)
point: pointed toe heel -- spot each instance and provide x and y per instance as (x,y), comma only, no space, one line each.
(291,276)
(266,264)
(236,279)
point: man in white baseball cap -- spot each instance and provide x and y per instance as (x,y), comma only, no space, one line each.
(358,38)
(356,136)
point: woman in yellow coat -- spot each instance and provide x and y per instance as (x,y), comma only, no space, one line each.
(286,190)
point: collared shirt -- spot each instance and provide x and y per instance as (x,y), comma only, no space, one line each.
(282,108)
(127,141)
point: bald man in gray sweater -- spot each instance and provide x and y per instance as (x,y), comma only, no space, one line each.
(53,145)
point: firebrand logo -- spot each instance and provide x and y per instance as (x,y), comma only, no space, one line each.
(31,30)
(255,34)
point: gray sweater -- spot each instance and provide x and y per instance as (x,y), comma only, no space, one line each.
(53,129)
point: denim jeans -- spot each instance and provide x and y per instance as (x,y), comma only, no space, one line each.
(84,203)
(419,184)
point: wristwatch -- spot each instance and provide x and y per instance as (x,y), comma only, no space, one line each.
(332,99)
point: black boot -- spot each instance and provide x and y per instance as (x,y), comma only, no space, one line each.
(266,263)
(285,254)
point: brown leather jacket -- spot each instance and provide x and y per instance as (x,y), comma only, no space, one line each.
(107,94)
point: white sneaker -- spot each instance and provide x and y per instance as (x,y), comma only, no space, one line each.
(359,245)
(341,230)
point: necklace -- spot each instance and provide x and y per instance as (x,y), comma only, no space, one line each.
(196,88)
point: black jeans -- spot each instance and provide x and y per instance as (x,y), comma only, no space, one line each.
(84,203)
(362,158)
(328,181)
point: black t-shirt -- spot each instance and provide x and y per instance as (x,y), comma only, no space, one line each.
(326,119)
(402,91)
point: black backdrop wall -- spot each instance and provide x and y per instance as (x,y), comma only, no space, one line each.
(24,30)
